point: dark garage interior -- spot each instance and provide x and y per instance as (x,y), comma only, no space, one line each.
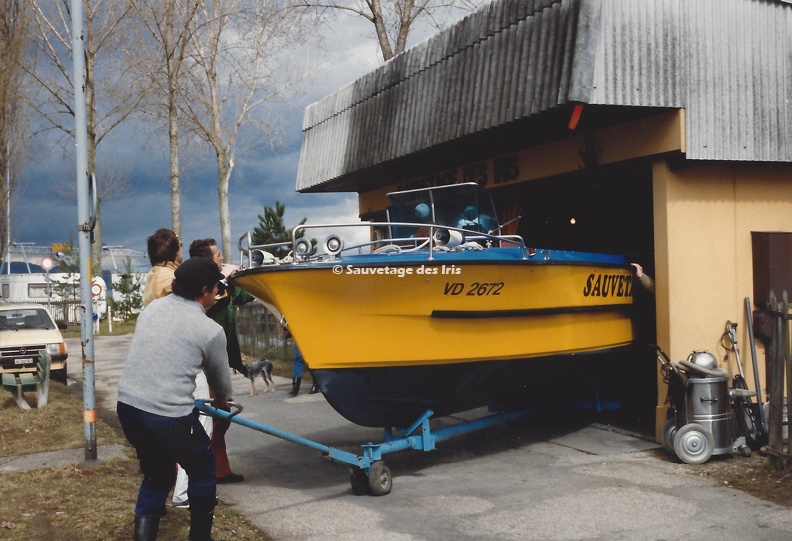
(613,213)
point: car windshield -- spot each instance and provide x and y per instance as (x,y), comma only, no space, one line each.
(25,318)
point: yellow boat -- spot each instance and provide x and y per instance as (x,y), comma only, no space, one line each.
(441,317)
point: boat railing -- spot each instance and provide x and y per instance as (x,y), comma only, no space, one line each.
(431,237)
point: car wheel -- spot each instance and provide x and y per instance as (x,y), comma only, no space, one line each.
(58,375)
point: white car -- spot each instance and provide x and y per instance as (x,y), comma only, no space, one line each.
(25,330)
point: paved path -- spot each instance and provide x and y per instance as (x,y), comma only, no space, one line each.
(515,482)
(52,459)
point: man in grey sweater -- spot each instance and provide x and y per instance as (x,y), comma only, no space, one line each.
(173,342)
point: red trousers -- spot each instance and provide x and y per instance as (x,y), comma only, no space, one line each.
(218,447)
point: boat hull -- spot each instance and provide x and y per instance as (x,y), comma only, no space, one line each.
(396,396)
(503,309)
(444,333)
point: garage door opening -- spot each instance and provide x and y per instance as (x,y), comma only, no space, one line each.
(605,209)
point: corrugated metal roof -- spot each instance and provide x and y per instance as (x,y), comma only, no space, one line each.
(725,61)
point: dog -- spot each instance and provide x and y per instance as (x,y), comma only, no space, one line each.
(261,366)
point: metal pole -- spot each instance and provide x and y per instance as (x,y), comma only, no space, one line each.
(84,226)
(112,256)
(751,337)
(7,246)
(49,293)
(24,256)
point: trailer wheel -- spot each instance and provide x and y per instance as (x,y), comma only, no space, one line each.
(667,434)
(359,481)
(380,481)
(694,444)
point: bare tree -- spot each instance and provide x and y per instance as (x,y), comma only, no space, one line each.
(169,23)
(111,94)
(14,20)
(115,181)
(393,19)
(231,79)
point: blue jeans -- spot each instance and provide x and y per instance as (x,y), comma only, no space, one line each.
(298,364)
(161,443)
(297,368)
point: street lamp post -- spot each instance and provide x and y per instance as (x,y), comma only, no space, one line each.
(47,264)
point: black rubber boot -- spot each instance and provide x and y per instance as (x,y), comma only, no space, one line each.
(146,527)
(295,386)
(314,388)
(201,526)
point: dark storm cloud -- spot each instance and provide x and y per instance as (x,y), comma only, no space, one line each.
(43,216)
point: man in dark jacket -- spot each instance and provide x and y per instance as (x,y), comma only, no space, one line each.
(224,313)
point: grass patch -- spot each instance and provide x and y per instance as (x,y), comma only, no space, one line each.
(93,503)
(58,425)
(119,328)
(87,501)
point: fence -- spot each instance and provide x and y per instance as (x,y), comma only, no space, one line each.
(258,329)
(66,311)
(260,333)
(773,327)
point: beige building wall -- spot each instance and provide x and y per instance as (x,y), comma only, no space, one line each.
(704,216)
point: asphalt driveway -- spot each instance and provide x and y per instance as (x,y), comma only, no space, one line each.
(526,480)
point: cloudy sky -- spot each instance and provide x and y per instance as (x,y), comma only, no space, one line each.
(44,216)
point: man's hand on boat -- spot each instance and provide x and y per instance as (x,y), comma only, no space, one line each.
(229,270)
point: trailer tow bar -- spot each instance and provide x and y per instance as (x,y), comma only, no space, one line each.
(368,472)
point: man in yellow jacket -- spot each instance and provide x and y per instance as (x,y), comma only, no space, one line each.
(165,254)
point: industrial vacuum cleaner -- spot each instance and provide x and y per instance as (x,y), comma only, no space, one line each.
(701,420)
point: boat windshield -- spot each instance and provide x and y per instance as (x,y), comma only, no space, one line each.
(466,206)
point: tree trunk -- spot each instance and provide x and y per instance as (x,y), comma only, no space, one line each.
(404,26)
(172,65)
(224,168)
(382,31)
(90,114)
(173,141)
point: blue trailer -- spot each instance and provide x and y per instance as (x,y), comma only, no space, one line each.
(368,472)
